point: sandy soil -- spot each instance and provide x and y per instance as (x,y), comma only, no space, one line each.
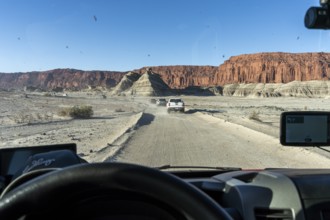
(35,121)
(199,139)
(119,122)
(259,114)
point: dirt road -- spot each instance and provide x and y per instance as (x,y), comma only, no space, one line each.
(199,139)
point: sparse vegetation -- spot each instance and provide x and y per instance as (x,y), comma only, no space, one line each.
(254,115)
(77,111)
(81,112)
(21,118)
(119,110)
(64,112)
(29,118)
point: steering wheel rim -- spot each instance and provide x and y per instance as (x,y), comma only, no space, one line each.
(24,178)
(48,188)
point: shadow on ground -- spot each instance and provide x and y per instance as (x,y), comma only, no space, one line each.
(191,111)
(146,119)
(103,117)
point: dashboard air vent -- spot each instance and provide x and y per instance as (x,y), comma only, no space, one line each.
(273,214)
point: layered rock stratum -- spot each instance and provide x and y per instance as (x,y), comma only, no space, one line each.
(184,76)
(147,84)
(125,83)
(274,68)
(261,73)
(313,88)
(70,79)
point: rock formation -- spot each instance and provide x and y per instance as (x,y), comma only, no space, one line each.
(274,68)
(178,77)
(314,88)
(125,83)
(252,89)
(69,79)
(149,84)
(251,68)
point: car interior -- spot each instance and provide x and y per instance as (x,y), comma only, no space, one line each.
(54,182)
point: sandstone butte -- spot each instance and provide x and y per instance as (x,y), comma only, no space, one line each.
(250,68)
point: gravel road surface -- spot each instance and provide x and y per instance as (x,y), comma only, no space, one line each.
(197,139)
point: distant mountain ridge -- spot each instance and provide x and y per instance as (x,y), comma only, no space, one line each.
(71,79)
(250,68)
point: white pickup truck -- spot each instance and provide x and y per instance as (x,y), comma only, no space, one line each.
(175,104)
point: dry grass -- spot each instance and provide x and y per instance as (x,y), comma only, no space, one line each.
(254,115)
(119,110)
(29,118)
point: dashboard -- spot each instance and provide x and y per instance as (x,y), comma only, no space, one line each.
(243,194)
(271,193)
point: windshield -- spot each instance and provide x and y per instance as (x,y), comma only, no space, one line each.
(90,72)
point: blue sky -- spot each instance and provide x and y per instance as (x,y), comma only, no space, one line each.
(122,35)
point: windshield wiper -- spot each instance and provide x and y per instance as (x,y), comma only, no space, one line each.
(168,166)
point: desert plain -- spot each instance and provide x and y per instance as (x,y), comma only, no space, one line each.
(213,131)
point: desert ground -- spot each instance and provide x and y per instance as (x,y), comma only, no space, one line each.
(213,131)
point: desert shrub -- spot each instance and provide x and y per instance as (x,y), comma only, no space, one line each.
(254,115)
(81,111)
(21,118)
(49,116)
(39,116)
(64,112)
(119,110)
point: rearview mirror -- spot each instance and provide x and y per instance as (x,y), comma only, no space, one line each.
(305,128)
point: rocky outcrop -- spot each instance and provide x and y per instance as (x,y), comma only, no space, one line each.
(149,84)
(274,68)
(251,68)
(252,90)
(200,91)
(178,77)
(125,83)
(305,89)
(69,79)
(314,88)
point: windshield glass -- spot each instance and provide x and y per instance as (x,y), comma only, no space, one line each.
(90,72)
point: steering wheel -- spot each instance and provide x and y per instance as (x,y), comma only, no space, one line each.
(47,190)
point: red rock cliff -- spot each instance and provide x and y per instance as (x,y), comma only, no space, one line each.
(184,76)
(252,68)
(274,68)
(65,78)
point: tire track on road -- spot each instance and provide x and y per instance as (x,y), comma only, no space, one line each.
(201,140)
